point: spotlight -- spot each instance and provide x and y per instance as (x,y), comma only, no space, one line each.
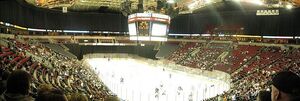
(208,1)
(170,1)
(289,6)
(191,6)
(258,2)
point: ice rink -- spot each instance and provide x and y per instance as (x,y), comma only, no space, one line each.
(135,80)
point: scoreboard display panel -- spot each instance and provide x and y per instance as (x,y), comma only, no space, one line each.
(143,28)
(148,26)
(132,29)
(159,29)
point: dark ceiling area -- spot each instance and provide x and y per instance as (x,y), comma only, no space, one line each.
(169,7)
(184,5)
(21,14)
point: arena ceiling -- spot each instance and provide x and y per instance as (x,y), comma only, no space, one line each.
(185,6)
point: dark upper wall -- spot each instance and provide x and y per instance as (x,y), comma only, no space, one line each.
(143,51)
(231,14)
(20,13)
(284,24)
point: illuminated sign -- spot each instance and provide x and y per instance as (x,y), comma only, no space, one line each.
(267,12)
(143,14)
(131,16)
(75,31)
(160,16)
(64,9)
(278,37)
(32,29)
(7,24)
(19,27)
(149,17)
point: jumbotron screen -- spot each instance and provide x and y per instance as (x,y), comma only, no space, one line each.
(148,26)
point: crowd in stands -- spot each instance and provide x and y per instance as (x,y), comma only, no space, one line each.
(182,52)
(204,57)
(199,55)
(251,67)
(31,71)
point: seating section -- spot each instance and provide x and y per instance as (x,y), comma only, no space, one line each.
(57,48)
(200,55)
(265,57)
(205,56)
(67,74)
(242,54)
(250,66)
(255,77)
(181,53)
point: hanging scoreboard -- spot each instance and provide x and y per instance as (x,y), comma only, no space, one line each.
(148,26)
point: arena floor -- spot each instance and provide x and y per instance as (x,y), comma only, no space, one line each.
(136,80)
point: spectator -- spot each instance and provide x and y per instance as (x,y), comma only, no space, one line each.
(264,96)
(296,98)
(3,82)
(285,86)
(78,97)
(52,95)
(44,88)
(18,85)
(112,98)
